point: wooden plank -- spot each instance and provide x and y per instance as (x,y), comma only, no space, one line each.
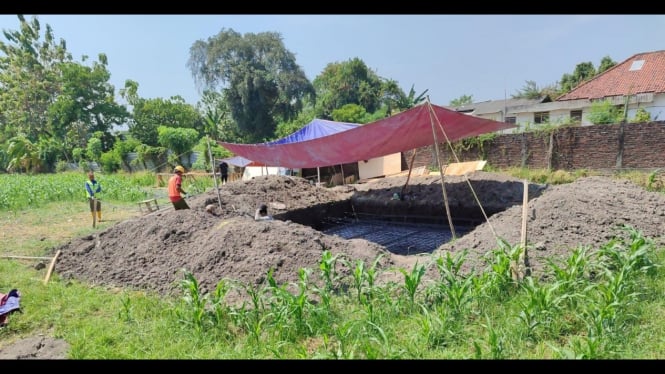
(461,168)
(27,257)
(50,268)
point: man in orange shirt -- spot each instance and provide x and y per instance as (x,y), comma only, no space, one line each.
(175,189)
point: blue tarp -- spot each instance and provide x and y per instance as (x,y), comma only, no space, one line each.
(315,129)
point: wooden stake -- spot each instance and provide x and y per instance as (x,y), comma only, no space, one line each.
(50,268)
(443,184)
(523,265)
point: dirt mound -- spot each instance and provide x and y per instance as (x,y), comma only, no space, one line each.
(149,252)
(587,212)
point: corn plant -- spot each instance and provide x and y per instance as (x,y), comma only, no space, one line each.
(455,291)
(194,300)
(220,311)
(494,340)
(251,320)
(632,255)
(359,275)
(541,307)
(412,280)
(500,271)
(125,313)
(279,303)
(328,269)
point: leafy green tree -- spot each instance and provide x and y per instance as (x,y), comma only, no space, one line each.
(29,79)
(412,100)
(604,112)
(86,103)
(261,82)
(605,64)
(350,82)
(149,114)
(353,113)
(179,140)
(94,149)
(583,71)
(23,155)
(285,128)
(462,100)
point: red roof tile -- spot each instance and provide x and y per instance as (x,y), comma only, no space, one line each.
(620,80)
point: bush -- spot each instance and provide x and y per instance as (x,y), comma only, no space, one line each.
(110,162)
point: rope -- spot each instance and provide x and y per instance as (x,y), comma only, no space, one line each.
(429,105)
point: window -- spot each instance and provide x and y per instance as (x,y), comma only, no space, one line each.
(541,117)
(512,120)
(576,116)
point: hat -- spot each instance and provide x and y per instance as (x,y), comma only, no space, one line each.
(179,168)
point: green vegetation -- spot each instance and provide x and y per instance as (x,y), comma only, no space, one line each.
(593,306)
(21,192)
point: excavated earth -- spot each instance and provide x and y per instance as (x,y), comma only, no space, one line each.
(152,252)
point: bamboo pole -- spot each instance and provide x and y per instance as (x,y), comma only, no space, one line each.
(443,185)
(214,176)
(50,268)
(27,257)
(408,176)
(523,262)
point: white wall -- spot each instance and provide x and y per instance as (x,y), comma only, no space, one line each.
(257,171)
(380,166)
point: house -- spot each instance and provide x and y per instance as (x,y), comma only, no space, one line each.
(498,110)
(639,80)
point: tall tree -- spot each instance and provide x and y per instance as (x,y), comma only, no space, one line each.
(86,103)
(259,77)
(583,71)
(349,82)
(29,78)
(605,64)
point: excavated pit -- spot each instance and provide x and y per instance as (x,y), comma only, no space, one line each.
(410,220)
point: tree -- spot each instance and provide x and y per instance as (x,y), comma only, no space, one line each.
(461,101)
(352,113)
(604,112)
(29,79)
(349,82)
(261,82)
(530,90)
(583,71)
(178,140)
(86,103)
(606,63)
(149,114)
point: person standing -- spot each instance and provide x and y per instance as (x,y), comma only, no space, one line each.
(175,189)
(91,188)
(224,171)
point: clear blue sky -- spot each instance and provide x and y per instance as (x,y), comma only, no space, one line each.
(487,56)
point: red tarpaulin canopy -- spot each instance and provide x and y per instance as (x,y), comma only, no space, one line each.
(402,132)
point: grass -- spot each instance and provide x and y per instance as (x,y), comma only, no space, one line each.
(605,305)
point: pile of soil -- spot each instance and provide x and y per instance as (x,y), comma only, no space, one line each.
(150,252)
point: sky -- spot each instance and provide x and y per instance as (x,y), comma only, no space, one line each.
(486,56)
